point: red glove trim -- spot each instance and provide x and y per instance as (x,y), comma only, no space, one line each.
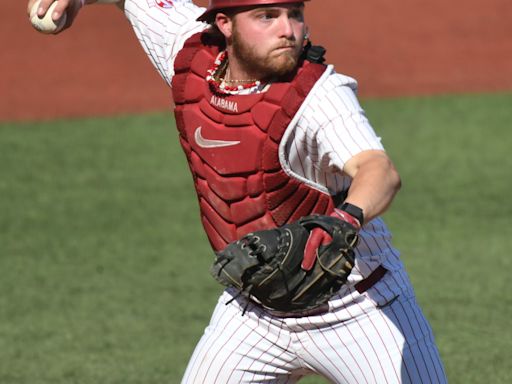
(316,238)
(319,237)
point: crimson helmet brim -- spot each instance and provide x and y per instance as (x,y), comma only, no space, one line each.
(217,5)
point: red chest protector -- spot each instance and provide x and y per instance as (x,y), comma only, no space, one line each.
(232,143)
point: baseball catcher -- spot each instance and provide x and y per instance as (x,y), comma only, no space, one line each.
(284,163)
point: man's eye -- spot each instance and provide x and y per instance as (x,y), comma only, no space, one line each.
(297,15)
(267,16)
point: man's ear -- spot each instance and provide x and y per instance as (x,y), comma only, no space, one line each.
(306,33)
(225,24)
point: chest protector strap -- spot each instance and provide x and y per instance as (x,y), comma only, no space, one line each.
(232,147)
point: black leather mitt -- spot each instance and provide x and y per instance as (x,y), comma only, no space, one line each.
(266,265)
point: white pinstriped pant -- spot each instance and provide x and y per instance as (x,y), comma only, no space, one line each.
(360,342)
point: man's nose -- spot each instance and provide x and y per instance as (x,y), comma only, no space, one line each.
(285,27)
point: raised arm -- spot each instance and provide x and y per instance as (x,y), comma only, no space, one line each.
(70,8)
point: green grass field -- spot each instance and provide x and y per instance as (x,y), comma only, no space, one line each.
(98,219)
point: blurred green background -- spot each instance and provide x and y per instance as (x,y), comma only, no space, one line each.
(100,241)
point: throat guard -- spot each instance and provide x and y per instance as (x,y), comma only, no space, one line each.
(232,147)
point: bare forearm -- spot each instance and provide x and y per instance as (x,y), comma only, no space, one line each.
(374,185)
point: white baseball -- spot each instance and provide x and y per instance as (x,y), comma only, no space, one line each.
(46,23)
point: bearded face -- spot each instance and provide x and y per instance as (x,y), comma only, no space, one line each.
(266,60)
(267,43)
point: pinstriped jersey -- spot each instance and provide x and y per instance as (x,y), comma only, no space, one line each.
(328,130)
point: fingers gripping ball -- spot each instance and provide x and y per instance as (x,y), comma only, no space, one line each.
(46,24)
(266,265)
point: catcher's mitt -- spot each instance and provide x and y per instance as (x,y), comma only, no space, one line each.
(266,265)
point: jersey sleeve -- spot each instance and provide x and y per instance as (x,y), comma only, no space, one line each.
(340,127)
(162,27)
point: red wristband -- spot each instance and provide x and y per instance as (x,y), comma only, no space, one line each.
(347,217)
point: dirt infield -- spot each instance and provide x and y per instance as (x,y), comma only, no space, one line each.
(402,47)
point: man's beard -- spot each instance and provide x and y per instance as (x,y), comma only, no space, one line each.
(267,67)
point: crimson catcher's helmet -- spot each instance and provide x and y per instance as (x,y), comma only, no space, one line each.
(216,5)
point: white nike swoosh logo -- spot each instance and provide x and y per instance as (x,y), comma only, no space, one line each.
(207,143)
